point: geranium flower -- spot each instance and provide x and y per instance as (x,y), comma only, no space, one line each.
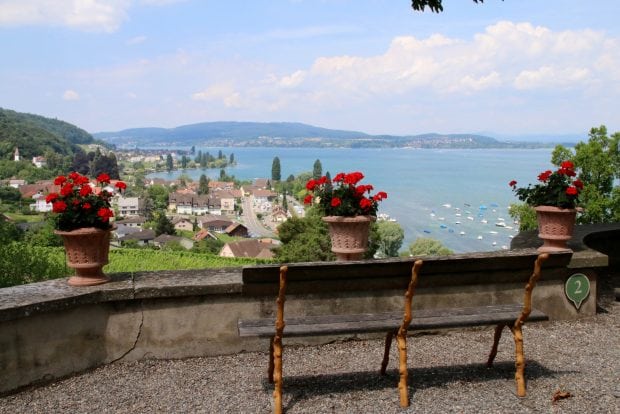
(78,205)
(343,196)
(555,188)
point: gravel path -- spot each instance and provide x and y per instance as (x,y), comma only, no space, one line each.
(447,375)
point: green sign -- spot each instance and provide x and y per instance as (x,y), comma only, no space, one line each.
(577,288)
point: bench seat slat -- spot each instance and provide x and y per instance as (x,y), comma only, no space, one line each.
(367,323)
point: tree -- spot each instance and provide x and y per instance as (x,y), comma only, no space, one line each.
(317,170)
(598,164)
(275,169)
(184,161)
(203,185)
(431,247)
(231,160)
(433,5)
(304,239)
(391,236)
(163,225)
(169,163)
(284,201)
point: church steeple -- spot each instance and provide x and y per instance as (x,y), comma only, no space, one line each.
(17,157)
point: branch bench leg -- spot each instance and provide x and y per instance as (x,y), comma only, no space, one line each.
(386,352)
(496,337)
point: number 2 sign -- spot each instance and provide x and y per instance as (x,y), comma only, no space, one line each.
(577,288)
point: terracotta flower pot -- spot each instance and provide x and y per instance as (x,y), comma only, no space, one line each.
(349,235)
(87,252)
(555,227)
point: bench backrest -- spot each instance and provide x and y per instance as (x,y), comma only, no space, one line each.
(395,273)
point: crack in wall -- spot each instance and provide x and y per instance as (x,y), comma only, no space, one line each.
(135,343)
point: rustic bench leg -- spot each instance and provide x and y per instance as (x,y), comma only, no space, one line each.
(498,334)
(402,368)
(386,351)
(277,377)
(270,370)
(519,360)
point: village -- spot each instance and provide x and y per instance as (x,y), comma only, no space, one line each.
(245,217)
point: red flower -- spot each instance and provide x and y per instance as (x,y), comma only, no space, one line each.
(567,165)
(105,214)
(322,180)
(74,176)
(66,190)
(120,185)
(86,190)
(60,180)
(59,206)
(86,206)
(512,183)
(103,178)
(544,176)
(51,197)
(572,191)
(380,196)
(335,202)
(81,180)
(353,178)
(339,177)
(308,199)
(577,183)
(311,185)
(365,203)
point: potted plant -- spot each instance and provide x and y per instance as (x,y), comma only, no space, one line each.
(555,198)
(81,213)
(348,208)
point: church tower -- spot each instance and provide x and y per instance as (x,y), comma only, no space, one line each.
(17,157)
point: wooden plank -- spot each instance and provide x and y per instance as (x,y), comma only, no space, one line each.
(423,319)
(482,263)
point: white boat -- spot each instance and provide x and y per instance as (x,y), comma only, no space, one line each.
(447,205)
(441,218)
(457,222)
(462,233)
(494,243)
(500,224)
(483,221)
(493,232)
(479,237)
(470,218)
(458,214)
(508,227)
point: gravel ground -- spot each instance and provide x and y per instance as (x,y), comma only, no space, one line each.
(446,370)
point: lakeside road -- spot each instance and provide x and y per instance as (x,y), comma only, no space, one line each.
(252,222)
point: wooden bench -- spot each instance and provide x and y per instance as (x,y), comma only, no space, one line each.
(377,275)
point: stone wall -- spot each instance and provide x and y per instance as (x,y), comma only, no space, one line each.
(50,330)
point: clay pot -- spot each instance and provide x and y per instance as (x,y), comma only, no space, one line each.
(349,235)
(87,252)
(555,227)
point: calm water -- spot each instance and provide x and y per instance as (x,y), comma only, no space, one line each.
(442,194)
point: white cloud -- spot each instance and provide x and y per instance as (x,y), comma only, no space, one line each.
(224,93)
(71,95)
(86,15)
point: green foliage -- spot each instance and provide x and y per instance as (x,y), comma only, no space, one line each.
(163,225)
(304,240)
(35,135)
(427,247)
(203,185)
(208,245)
(526,215)
(136,260)
(317,170)
(8,232)
(599,163)
(276,172)
(433,5)
(391,236)
(22,263)
(159,195)
(43,235)
(9,194)
(169,163)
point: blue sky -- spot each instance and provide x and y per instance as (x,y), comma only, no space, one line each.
(515,67)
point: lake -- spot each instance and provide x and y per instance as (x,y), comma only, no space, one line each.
(455,196)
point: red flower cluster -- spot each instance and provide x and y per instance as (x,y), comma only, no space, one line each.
(557,188)
(343,196)
(77,205)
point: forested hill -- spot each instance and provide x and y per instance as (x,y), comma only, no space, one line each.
(281,134)
(35,135)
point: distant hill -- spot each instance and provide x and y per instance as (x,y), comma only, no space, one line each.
(285,134)
(35,134)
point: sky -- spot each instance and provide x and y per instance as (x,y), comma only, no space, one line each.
(513,67)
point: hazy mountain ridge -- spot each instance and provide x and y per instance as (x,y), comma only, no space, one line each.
(289,134)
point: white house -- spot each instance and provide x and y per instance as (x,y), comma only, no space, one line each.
(130,206)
